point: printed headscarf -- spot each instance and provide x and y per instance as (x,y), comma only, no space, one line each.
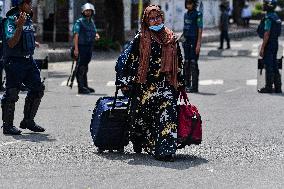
(166,38)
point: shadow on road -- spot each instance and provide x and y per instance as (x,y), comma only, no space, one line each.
(55,74)
(206,94)
(34,137)
(93,94)
(182,161)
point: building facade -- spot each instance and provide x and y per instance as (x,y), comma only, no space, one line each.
(54,18)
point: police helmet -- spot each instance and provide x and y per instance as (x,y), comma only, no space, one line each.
(270,4)
(1,5)
(88,6)
(195,3)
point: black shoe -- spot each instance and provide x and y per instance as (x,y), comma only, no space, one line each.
(169,158)
(265,90)
(228,48)
(11,130)
(84,90)
(220,48)
(91,89)
(31,125)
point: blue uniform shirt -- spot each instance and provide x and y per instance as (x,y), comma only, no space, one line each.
(86,29)
(26,45)
(192,22)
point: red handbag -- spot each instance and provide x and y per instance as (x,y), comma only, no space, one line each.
(189,122)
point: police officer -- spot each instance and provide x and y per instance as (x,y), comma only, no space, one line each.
(224,25)
(1,50)
(192,31)
(85,33)
(269,47)
(20,67)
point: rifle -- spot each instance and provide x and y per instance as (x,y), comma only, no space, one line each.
(73,74)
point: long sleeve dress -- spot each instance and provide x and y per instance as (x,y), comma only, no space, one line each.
(153,104)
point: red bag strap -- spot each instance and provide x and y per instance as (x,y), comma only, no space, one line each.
(183,96)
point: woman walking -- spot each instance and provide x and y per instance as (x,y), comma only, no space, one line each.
(153,69)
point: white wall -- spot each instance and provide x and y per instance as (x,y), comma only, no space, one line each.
(6,7)
(127,15)
(174,12)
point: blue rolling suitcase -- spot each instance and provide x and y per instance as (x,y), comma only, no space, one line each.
(109,126)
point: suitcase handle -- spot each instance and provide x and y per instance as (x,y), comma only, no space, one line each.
(116,97)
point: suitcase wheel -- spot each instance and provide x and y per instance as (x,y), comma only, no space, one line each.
(101,150)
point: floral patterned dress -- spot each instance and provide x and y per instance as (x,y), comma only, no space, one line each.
(153,104)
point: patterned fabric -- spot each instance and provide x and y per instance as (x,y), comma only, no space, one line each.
(153,105)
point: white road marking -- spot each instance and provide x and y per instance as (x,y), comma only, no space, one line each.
(74,84)
(233,90)
(252,82)
(110,84)
(211,82)
(64,83)
(8,143)
(236,45)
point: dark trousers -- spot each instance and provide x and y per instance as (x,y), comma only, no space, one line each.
(1,73)
(85,56)
(18,71)
(224,36)
(246,21)
(22,70)
(271,65)
(191,70)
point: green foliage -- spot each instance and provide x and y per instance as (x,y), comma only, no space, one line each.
(258,7)
(106,44)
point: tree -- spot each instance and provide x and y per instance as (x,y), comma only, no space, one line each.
(237,8)
(114,16)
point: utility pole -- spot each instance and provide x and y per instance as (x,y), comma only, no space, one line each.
(237,9)
(140,10)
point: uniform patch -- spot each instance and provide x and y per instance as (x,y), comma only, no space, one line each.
(10,28)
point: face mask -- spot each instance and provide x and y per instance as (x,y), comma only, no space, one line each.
(156,28)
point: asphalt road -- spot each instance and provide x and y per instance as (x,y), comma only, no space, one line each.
(243,144)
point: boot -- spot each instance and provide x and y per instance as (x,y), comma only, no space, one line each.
(86,82)
(8,109)
(268,84)
(82,89)
(195,77)
(277,83)
(30,110)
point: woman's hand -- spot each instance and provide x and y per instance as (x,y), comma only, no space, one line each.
(76,53)
(21,20)
(197,50)
(97,36)
(261,53)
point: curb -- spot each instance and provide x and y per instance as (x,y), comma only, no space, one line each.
(63,54)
